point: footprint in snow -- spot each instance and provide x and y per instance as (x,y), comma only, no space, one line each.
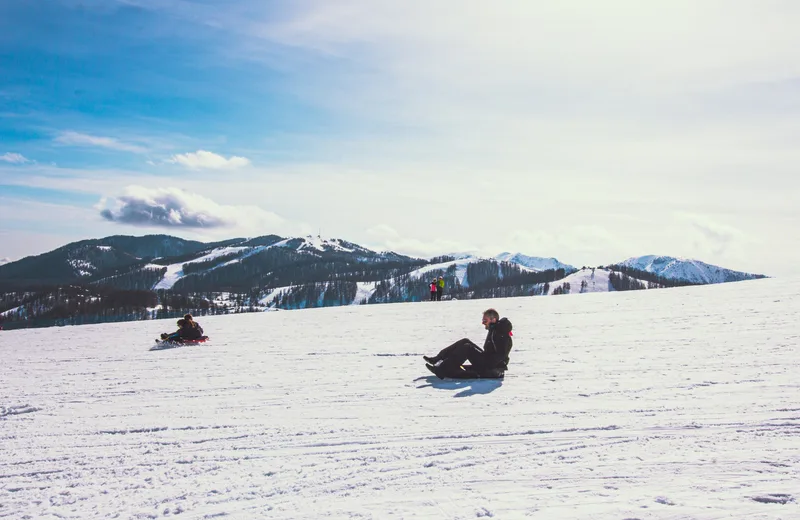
(17,410)
(774,498)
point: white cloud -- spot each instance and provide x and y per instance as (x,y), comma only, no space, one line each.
(457,126)
(383,232)
(708,237)
(422,63)
(173,207)
(77,139)
(202,159)
(575,244)
(382,237)
(14,158)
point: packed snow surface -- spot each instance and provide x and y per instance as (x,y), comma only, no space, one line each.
(657,404)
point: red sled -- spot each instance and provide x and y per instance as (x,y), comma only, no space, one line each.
(162,344)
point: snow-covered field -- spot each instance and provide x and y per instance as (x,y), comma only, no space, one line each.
(668,404)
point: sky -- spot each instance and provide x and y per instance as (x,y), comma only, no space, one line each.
(590,132)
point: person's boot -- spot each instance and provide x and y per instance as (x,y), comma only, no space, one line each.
(432,360)
(434,370)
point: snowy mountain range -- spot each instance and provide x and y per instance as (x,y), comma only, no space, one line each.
(687,269)
(533,262)
(123,277)
(174,259)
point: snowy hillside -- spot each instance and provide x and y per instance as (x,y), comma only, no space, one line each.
(365,290)
(316,245)
(175,272)
(460,265)
(526,263)
(126,262)
(677,403)
(686,269)
(534,262)
(235,254)
(588,281)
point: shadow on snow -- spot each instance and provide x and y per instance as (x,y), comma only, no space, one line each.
(467,386)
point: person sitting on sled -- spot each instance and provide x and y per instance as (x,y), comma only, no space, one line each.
(185,331)
(195,331)
(489,362)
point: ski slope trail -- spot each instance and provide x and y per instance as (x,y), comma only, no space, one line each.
(672,403)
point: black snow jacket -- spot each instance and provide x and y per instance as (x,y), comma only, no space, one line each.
(199,329)
(190,331)
(498,344)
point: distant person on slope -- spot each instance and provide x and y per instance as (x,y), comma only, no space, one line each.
(433,290)
(195,330)
(489,362)
(439,288)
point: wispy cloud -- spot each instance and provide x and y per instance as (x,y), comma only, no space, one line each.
(202,159)
(71,138)
(175,208)
(709,236)
(545,118)
(14,158)
(386,238)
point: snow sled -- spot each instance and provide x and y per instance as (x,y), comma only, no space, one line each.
(164,344)
(464,372)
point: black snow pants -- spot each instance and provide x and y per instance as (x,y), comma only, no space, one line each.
(459,352)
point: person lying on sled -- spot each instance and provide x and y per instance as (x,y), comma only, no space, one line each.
(489,362)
